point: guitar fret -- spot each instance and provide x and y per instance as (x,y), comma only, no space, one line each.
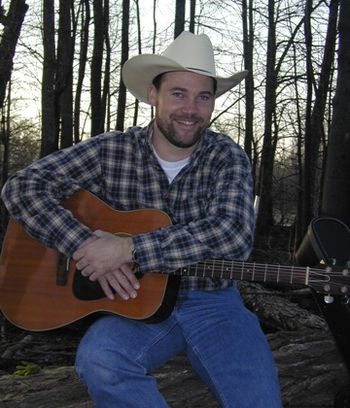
(231,270)
(265,272)
(278,273)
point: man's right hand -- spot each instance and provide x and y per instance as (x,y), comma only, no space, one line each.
(106,258)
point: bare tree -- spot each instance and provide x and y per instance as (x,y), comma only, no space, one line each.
(49,135)
(84,41)
(124,57)
(271,131)
(64,81)
(139,45)
(248,49)
(179,17)
(192,15)
(265,219)
(314,127)
(12,23)
(97,125)
(106,111)
(336,196)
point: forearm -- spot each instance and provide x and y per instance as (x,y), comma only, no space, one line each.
(226,232)
(34,198)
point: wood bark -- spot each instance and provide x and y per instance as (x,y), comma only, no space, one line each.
(248,49)
(180,8)
(124,57)
(314,126)
(264,189)
(64,83)
(336,197)
(49,129)
(97,124)
(84,42)
(311,370)
(12,28)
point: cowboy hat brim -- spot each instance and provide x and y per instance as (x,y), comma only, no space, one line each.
(139,71)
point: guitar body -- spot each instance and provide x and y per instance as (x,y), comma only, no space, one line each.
(41,290)
(35,296)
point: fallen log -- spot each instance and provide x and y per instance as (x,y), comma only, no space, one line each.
(311,370)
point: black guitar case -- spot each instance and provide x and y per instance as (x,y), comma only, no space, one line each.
(328,241)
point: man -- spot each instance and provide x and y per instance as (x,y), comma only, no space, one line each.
(203,181)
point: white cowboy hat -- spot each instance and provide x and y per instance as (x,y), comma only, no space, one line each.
(188,52)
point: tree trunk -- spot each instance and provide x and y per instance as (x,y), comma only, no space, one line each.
(248,47)
(64,85)
(314,130)
(12,28)
(265,219)
(125,56)
(84,41)
(192,15)
(97,125)
(106,111)
(139,45)
(179,17)
(336,196)
(49,136)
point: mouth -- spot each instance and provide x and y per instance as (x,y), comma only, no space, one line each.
(187,122)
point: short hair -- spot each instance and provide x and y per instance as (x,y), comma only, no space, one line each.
(158,80)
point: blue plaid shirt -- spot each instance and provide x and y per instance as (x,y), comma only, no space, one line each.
(209,201)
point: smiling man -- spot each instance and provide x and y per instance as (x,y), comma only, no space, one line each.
(203,180)
(184,103)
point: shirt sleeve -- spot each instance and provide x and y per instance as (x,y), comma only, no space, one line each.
(34,195)
(226,231)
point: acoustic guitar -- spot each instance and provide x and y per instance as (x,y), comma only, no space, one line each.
(40,289)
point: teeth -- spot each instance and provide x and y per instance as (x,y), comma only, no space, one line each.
(187,123)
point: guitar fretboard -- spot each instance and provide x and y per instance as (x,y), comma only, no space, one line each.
(254,272)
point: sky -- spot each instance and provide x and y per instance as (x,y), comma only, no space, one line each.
(27,74)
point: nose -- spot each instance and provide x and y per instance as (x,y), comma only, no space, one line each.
(190,106)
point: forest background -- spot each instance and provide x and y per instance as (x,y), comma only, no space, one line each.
(60,64)
(60,82)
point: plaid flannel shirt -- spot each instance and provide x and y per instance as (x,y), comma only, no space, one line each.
(209,201)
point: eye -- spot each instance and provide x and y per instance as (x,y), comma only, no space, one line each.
(178,94)
(206,97)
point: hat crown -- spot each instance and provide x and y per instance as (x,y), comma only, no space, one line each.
(193,52)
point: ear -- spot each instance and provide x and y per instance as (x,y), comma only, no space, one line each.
(152,95)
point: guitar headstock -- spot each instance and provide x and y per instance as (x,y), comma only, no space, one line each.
(330,282)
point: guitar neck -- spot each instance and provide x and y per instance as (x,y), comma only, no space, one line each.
(247,271)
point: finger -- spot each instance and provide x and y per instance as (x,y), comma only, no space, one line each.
(126,286)
(106,288)
(121,284)
(130,274)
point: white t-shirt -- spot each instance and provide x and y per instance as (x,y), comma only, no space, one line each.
(171,168)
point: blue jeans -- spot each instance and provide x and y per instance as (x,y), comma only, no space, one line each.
(222,340)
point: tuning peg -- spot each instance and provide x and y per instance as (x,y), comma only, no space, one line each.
(328,299)
(345,300)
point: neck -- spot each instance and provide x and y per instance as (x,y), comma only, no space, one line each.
(166,150)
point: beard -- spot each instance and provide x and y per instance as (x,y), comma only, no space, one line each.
(170,133)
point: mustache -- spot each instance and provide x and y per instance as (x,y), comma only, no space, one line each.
(188,117)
